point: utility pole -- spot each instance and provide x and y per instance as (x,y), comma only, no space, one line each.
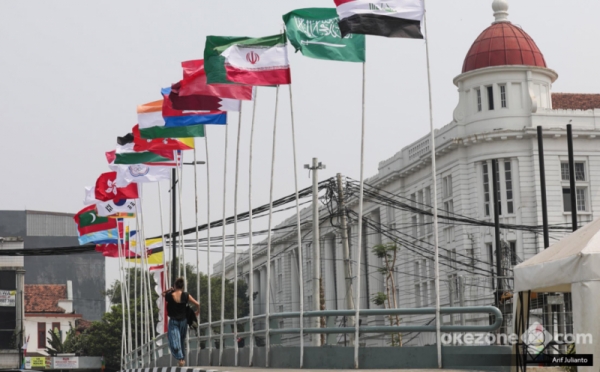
(346,248)
(496,191)
(316,279)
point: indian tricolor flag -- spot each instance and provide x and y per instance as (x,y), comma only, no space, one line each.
(389,18)
(244,60)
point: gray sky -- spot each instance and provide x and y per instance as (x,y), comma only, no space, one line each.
(74,71)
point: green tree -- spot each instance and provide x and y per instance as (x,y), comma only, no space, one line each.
(388,253)
(71,344)
(103,338)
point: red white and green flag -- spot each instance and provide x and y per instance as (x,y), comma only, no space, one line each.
(245,60)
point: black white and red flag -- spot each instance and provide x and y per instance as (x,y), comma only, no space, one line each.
(388,18)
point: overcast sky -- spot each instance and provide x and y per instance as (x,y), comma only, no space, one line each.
(73,72)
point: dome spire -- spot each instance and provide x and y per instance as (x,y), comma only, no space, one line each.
(500,10)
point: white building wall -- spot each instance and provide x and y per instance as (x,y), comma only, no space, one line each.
(31,330)
(463,146)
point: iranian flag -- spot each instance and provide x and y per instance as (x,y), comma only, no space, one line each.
(244,60)
(389,18)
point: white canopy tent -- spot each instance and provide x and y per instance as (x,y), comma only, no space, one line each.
(571,265)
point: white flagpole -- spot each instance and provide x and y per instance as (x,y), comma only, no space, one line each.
(128,280)
(123,337)
(164,246)
(360,216)
(250,254)
(209,294)
(299,231)
(221,343)
(148,278)
(135,333)
(235,242)
(182,265)
(434,198)
(197,250)
(268,279)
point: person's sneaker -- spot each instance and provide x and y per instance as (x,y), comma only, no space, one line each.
(181,363)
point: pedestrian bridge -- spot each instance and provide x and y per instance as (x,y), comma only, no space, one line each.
(205,350)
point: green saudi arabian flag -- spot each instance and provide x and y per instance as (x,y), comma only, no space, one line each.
(315,33)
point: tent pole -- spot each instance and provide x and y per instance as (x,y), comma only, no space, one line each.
(572,177)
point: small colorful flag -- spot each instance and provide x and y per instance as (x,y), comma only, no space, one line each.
(107,189)
(154,251)
(195,83)
(389,18)
(185,118)
(245,60)
(159,144)
(126,154)
(89,222)
(200,102)
(100,237)
(112,155)
(109,208)
(141,173)
(152,125)
(315,33)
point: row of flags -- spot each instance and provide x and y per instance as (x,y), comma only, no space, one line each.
(211,87)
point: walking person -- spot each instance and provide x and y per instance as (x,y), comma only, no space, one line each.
(177,301)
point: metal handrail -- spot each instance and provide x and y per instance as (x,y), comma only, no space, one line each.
(134,357)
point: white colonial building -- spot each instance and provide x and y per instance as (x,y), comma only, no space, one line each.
(504,94)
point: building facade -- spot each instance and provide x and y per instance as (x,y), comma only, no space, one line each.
(48,307)
(504,94)
(50,229)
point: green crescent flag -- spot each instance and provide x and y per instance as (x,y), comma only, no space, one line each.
(315,33)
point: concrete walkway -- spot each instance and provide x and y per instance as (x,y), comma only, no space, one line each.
(250,369)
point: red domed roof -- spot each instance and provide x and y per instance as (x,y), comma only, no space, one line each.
(503,44)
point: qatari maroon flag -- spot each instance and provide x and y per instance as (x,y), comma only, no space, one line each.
(201,102)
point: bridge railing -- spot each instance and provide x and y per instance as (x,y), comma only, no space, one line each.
(147,354)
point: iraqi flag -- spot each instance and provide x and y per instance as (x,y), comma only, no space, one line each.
(249,61)
(389,18)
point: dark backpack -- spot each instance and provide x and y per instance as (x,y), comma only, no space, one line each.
(190,315)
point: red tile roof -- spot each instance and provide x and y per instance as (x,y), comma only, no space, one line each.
(575,101)
(43,298)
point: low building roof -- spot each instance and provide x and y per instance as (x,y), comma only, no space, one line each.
(43,298)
